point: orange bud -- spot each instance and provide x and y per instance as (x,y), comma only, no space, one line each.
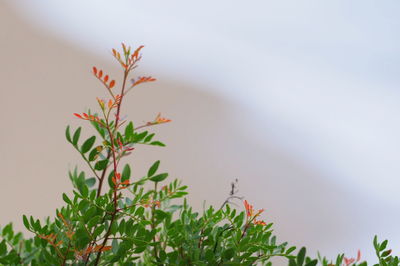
(105,78)
(114,52)
(78,115)
(112,83)
(100,73)
(95,70)
(110,104)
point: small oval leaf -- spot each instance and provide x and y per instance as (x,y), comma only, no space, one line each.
(88,144)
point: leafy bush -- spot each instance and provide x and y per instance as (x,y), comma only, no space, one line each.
(112,218)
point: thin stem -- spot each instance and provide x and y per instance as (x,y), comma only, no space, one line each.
(102,176)
(122,96)
(153,224)
(105,238)
(116,125)
(115,189)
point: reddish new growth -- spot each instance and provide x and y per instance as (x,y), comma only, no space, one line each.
(158,120)
(141,80)
(82,254)
(151,204)
(70,233)
(116,148)
(251,215)
(104,79)
(85,116)
(118,184)
(349,261)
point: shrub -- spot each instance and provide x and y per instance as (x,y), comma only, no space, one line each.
(113,218)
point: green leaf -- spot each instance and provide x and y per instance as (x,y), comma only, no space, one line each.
(153,169)
(160,215)
(159,178)
(94,221)
(90,213)
(149,137)
(339,259)
(88,144)
(289,250)
(139,211)
(129,131)
(83,205)
(312,263)
(121,227)
(98,230)
(292,262)
(26,222)
(3,248)
(84,190)
(114,246)
(228,254)
(90,181)
(139,137)
(93,154)
(66,199)
(376,245)
(157,143)
(7,229)
(101,165)
(386,253)
(68,134)
(126,173)
(76,136)
(383,245)
(300,256)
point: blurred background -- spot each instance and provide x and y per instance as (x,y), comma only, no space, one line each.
(298,100)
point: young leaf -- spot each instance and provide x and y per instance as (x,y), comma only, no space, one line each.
(88,144)
(153,169)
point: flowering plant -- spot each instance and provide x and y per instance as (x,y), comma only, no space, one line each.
(113,218)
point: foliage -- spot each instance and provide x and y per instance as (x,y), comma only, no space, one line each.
(113,218)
